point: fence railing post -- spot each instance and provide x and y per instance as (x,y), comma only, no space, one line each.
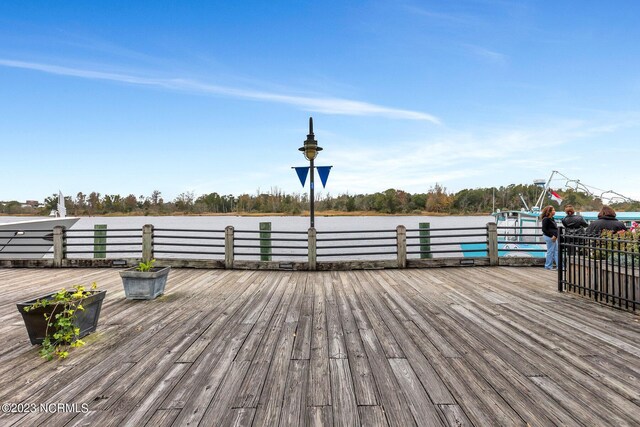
(561,252)
(228,247)
(99,240)
(425,239)
(401,241)
(147,243)
(492,242)
(58,245)
(312,248)
(265,241)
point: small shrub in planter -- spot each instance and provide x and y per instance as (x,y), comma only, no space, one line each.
(144,281)
(59,320)
(622,247)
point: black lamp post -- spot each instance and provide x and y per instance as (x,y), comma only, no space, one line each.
(310,150)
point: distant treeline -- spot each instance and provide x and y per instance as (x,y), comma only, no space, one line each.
(437,200)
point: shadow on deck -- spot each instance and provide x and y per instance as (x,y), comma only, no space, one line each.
(453,346)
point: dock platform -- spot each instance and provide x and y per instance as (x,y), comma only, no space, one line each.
(482,346)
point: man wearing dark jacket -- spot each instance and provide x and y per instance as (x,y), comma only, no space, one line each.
(606,221)
(573,223)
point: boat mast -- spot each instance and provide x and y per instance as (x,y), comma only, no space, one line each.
(538,205)
(493,200)
(62,210)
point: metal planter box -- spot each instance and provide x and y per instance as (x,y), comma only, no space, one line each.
(86,320)
(144,284)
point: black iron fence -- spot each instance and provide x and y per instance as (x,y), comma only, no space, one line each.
(425,243)
(101,243)
(186,243)
(269,245)
(604,268)
(357,244)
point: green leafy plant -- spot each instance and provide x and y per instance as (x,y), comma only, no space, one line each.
(622,247)
(61,334)
(146,266)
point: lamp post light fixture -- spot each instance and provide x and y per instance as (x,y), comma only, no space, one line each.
(310,150)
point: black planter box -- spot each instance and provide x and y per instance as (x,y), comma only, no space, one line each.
(86,320)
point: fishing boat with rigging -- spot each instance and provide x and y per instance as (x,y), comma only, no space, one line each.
(519,232)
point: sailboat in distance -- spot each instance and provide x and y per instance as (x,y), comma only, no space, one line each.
(33,238)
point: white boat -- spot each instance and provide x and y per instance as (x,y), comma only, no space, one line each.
(32,238)
(519,232)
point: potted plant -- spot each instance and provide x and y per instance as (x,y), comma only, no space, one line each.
(144,281)
(59,320)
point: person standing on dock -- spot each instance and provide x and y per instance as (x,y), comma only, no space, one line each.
(606,221)
(573,223)
(550,235)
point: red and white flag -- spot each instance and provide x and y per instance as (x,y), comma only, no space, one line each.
(555,196)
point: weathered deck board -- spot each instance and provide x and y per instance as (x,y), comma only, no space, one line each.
(363,382)
(319,391)
(450,346)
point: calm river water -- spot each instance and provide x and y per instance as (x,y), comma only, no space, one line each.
(280,223)
(324,224)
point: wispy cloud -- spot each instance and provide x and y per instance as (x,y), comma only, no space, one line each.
(461,24)
(485,53)
(327,105)
(485,156)
(453,19)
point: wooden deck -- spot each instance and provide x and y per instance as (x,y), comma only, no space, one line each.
(480,346)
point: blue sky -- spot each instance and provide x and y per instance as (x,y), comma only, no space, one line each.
(126,97)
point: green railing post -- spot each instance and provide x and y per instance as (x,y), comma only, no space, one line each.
(425,239)
(265,241)
(99,240)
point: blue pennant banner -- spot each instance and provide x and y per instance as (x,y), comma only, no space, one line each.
(302,172)
(323,173)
